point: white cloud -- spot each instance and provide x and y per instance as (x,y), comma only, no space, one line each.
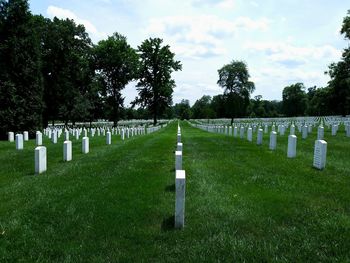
(201,35)
(286,53)
(61,13)
(224,4)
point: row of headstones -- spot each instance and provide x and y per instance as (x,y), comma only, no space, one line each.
(180,184)
(320,149)
(55,134)
(281,129)
(40,152)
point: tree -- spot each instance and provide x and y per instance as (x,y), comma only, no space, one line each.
(340,76)
(183,110)
(319,103)
(155,86)
(234,79)
(21,88)
(117,64)
(201,109)
(294,100)
(67,70)
(218,104)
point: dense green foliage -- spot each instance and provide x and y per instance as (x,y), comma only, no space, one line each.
(155,85)
(21,89)
(244,203)
(117,65)
(234,79)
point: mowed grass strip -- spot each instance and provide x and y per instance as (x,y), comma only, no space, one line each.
(102,206)
(243,201)
(258,205)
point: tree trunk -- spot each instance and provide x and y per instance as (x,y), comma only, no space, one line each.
(231,121)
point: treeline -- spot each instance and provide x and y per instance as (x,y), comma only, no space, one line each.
(51,71)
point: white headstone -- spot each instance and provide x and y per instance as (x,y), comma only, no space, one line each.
(292,146)
(122,134)
(179,137)
(39,138)
(67,151)
(180,187)
(235,131)
(179,146)
(304,132)
(66,135)
(320,133)
(250,134)
(109,138)
(85,145)
(54,136)
(25,136)
(178,160)
(273,140)
(11,136)
(259,137)
(19,141)
(320,153)
(334,129)
(40,159)
(292,130)
(241,132)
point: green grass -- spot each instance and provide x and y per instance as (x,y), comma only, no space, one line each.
(116,204)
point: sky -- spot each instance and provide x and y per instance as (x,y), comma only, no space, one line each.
(281,41)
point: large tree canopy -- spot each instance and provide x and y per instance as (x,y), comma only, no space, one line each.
(340,76)
(234,79)
(155,84)
(117,63)
(20,79)
(294,100)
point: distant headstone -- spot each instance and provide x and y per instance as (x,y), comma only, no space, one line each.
(304,132)
(235,131)
(26,136)
(250,134)
(179,137)
(320,153)
(320,133)
(178,160)
(266,129)
(66,135)
(54,136)
(292,146)
(273,140)
(38,138)
(292,130)
(109,138)
(67,151)
(259,137)
(122,134)
(179,146)
(334,129)
(180,187)
(19,141)
(40,159)
(11,137)
(85,145)
(241,132)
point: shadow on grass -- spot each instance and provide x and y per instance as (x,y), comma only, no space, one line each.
(170,188)
(168,224)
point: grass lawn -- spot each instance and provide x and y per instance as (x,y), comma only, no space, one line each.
(116,204)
